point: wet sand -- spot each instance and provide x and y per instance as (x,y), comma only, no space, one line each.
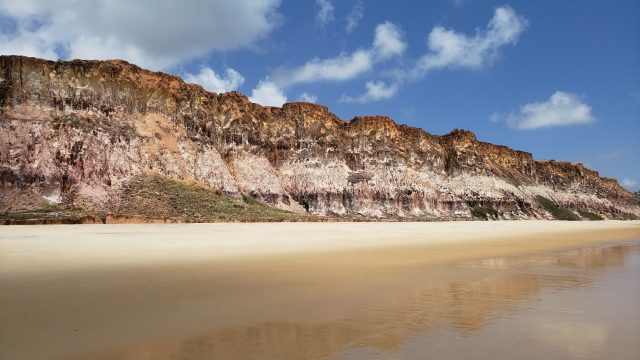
(336,290)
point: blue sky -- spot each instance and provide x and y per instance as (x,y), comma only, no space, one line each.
(559,79)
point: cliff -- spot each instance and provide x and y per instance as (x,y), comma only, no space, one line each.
(77,133)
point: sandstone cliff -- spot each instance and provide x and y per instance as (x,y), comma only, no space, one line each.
(76,133)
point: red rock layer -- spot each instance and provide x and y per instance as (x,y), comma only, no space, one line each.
(77,131)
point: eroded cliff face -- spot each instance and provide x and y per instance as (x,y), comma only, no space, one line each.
(76,132)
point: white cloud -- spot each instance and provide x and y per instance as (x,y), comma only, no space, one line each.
(375,91)
(631,184)
(562,109)
(450,49)
(496,117)
(306,97)
(150,33)
(214,82)
(268,93)
(26,43)
(447,49)
(356,14)
(325,12)
(341,68)
(387,43)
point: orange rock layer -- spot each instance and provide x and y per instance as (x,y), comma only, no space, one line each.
(76,132)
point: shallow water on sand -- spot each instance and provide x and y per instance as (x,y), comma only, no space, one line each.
(577,304)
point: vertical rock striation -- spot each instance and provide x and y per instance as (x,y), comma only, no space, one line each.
(76,132)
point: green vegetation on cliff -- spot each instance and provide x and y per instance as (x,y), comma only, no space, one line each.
(558,212)
(157,196)
(590,216)
(485,212)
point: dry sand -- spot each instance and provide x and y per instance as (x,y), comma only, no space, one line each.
(67,247)
(152,291)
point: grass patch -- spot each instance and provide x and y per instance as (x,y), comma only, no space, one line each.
(589,215)
(51,214)
(558,212)
(629,216)
(162,197)
(485,212)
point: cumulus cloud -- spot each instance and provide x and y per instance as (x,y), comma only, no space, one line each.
(387,43)
(447,48)
(343,67)
(451,49)
(268,93)
(325,12)
(214,82)
(23,42)
(374,91)
(306,97)
(631,184)
(153,34)
(561,109)
(354,17)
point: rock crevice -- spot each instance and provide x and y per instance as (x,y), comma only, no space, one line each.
(76,132)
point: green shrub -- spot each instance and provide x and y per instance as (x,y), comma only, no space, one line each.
(158,196)
(484,212)
(558,212)
(589,215)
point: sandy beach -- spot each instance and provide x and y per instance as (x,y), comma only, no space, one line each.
(134,291)
(66,247)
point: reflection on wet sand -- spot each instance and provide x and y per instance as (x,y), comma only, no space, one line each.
(463,307)
(584,259)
